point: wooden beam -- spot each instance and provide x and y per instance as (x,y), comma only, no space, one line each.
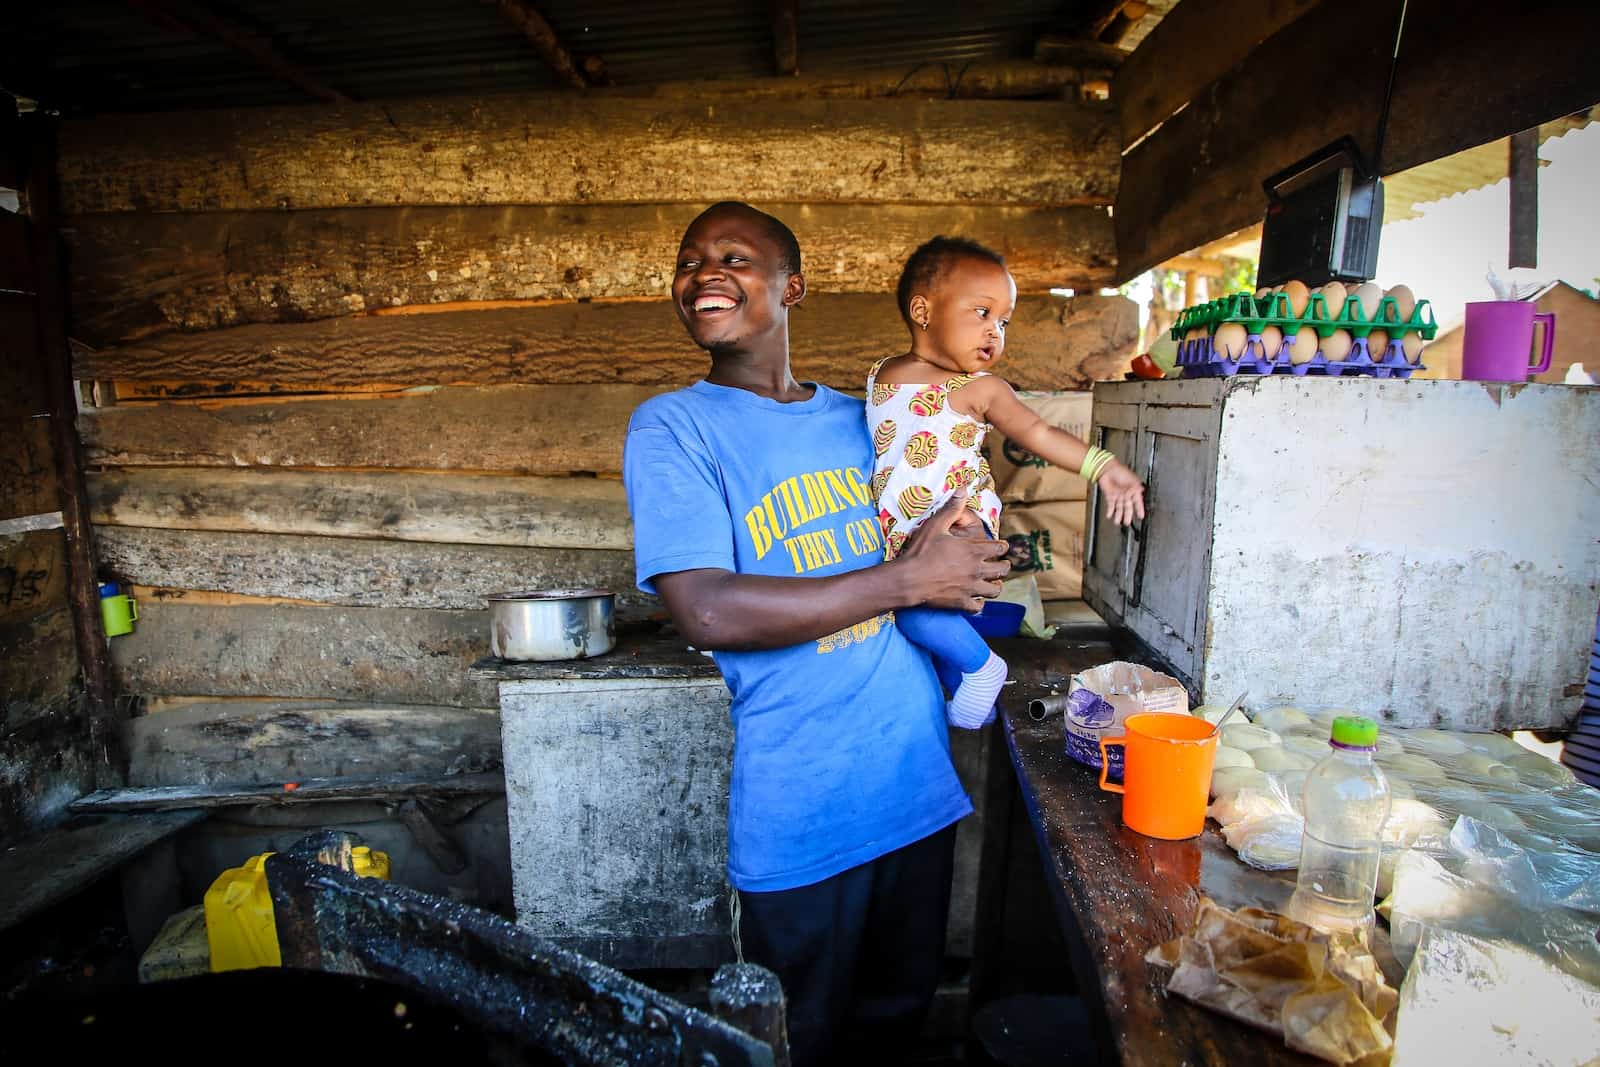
(1099,16)
(48,868)
(176,798)
(1053,344)
(538,30)
(358,573)
(562,149)
(544,430)
(1130,15)
(989,79)
(53,358)
(1200,175)
(1523,170)
(587,513)
(786,37)
(1194,44)
(197,21)
(386,655)
(1206,268)
(216,743)
(1078,50)
(136,275)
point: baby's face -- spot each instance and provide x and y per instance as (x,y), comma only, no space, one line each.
(968,312)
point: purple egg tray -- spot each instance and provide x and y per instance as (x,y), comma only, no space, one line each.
(1198,359)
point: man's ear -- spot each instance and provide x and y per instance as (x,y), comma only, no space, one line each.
(794,290)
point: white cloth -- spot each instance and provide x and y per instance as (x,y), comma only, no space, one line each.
(923,451)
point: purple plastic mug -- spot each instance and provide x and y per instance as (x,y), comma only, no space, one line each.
(1498,343)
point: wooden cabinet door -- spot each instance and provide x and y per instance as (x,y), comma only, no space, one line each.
(1108,548)
(1170,563)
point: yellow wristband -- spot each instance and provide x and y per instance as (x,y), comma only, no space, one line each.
(1094,463)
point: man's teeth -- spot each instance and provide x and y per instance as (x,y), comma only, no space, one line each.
(713,303)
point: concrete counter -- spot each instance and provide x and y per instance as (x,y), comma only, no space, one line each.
(617,774)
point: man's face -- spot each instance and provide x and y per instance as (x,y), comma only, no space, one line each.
(729,288)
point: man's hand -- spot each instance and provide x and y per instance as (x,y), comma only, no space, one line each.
(947,568)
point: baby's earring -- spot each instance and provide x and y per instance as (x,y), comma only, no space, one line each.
(924,324)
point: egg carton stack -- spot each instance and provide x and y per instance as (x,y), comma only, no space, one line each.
(1331,331)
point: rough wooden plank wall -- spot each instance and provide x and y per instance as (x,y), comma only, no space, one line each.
(1053,344)
(569,149)
(139,274)
(535,429)
(335,478)
(586,513)
(339,570)
(389,655)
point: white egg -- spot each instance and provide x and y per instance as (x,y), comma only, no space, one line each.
(1405,302)
(1368,296)
(1304,349)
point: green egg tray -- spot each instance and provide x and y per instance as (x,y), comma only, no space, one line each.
(1273,310)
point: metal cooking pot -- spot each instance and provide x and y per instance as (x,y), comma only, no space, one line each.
(546,624)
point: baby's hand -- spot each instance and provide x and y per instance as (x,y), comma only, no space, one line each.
(1123,493)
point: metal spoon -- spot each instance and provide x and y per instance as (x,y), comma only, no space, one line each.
(1232,708)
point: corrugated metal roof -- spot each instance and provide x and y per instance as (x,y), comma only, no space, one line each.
(87,56)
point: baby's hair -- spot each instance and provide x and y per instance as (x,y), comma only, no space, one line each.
(781,235)
(930,262)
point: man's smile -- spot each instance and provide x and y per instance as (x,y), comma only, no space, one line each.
(711,303)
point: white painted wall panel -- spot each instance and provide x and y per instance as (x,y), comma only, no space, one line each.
(1428,552)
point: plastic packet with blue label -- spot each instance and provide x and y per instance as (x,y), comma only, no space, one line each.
(1100,698)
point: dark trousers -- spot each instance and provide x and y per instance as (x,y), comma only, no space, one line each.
(858,954)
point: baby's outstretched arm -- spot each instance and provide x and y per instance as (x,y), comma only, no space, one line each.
(1119,486)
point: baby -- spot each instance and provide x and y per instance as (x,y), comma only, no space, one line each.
(928,411)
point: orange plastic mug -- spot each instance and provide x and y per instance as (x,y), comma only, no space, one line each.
(1166,773)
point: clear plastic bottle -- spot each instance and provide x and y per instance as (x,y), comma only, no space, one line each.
(1346,804)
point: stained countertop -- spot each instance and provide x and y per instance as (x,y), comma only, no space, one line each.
(645,649)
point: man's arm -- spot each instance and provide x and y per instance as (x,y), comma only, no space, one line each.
(721,610)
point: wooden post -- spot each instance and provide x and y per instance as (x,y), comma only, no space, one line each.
(1524,173)
(1124,22)
(105,737)
(1190,288)
(543,37)
(786,37)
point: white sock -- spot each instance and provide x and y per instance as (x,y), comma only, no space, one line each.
(972,705)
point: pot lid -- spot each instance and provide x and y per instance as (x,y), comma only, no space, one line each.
(551,594)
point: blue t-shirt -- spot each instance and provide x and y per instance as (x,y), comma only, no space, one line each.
(841,751)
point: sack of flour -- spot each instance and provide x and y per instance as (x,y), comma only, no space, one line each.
(1100,698)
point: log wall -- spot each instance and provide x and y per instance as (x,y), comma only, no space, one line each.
(359,366)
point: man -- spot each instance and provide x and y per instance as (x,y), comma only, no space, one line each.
(754,522)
